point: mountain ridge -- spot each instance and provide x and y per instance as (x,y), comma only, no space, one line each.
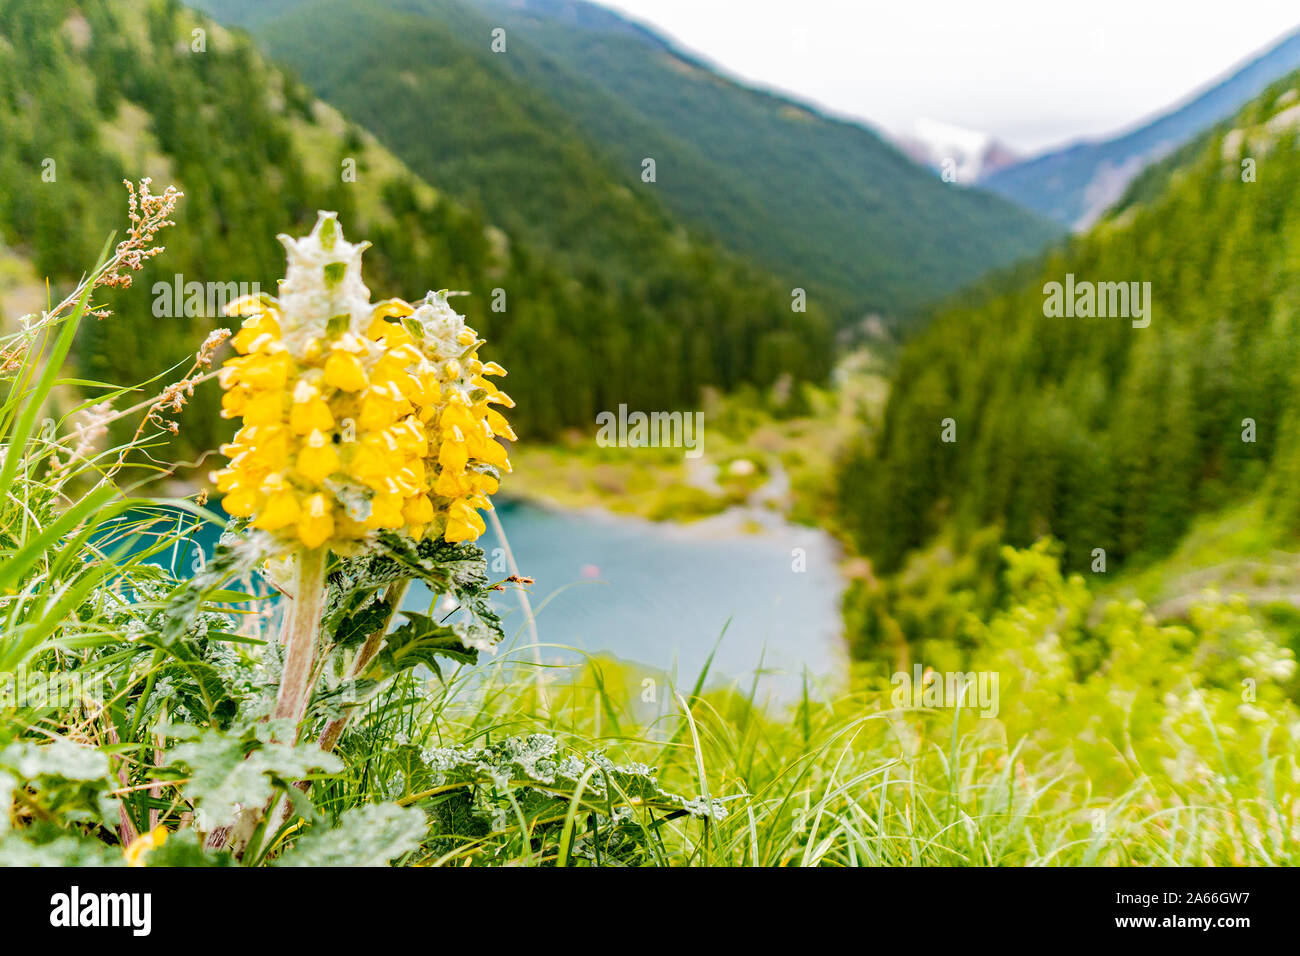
(1075,183)
(823,203)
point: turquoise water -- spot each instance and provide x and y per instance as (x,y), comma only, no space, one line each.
(661,595)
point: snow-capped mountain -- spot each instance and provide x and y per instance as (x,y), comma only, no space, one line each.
(966,155)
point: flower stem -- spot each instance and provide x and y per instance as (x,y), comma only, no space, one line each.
(301,636)
(393,595)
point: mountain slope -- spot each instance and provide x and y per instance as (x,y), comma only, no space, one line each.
(586,96)
(115,90)
(841,204)
(1102,434)
(1074,185)
(93,93)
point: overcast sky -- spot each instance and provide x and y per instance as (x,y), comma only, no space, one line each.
(1032,72)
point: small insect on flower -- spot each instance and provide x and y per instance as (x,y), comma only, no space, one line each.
(357,416)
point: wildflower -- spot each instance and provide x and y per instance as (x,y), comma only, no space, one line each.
(357,416)
(464,459)
(148,214)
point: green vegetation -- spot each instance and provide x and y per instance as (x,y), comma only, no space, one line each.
(550,137)
(773,450)
(124,92)
(1158,463)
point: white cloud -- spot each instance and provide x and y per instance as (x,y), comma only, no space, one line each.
(1032,72)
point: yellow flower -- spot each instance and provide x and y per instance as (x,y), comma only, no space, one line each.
(260,370)
(264,408)
(241,503)
(451,484)
(281,507)
(484,448)
(345,372)
(315,523)
(463,522)
(382,406)
(139,848)
(385,511)
(392,307)
(418,510)
(256,333)
(497,422)
(453,455)
(308,417)
(317,460)
(457,415)
(356,416)
(495,395)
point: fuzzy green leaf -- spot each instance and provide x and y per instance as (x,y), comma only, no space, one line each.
(367,836)
(229,772)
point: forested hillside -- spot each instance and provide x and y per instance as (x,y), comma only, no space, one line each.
(550,135)
(1074,185)
(1099,433)
(110,91)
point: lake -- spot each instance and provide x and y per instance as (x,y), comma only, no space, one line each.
(662,594)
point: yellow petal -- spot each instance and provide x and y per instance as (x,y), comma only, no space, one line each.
(312,415)
(233,402)
(464,523)
(317,460)
(254,305)
(385,511)
(392,308)
(451,485)
(418,510)
(135,853)
(281,509)
(453,455)
(456,415)
(264,408)
(344,371)
(240,503)
(315,523)
(497,422)
(492,452)
(264,371)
